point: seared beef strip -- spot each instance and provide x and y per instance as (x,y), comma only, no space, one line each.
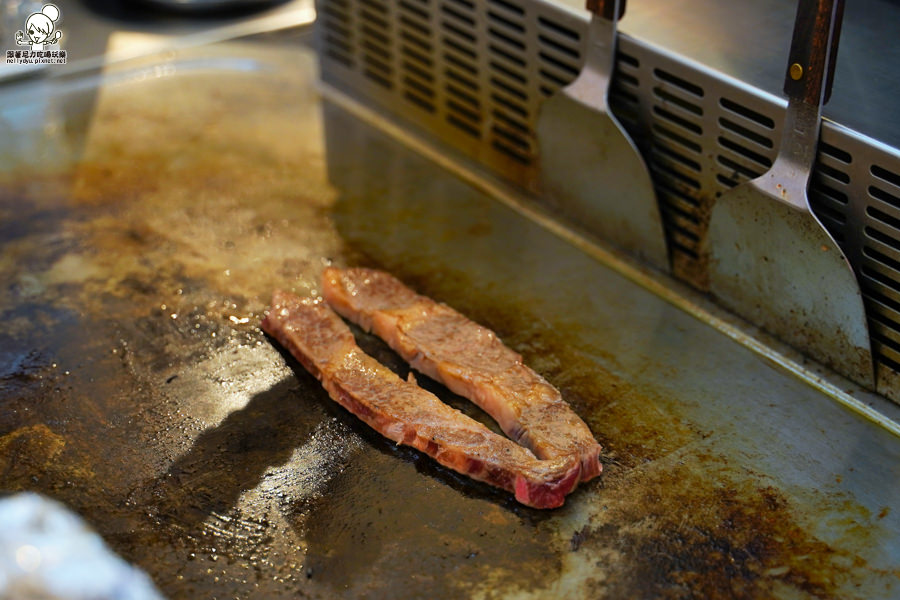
(408,414)
(469,359)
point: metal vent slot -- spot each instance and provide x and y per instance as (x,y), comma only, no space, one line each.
(833,221)
(511,123)
(625,80)
(509,6)
(460,63)
(558,67)
(463,110)
(412,36)
(745,144)
(675,100)
(882,238)
(748,113)
(624,92)
(664,152)
(468,108)
(513,74)
(418,72)
(463,21)
(881,287)
(461,79)
(507,23)
(556,55)
(671,151)
(753,159)
(513,43)
(504,104)
(511,90)
(420,95)
(548,24)
(828,193)
(754,137)
(886,175)
(683,84)
(883,196)
(834,152)
(887,268)
(463,96)
(559,46)
(463,49)
(464,37)
(559,55)
(661,132)
(418,8)
(830,205)
(686,125)
(675,174)
(884,324)
(735,172)
(830,172)
(828,197)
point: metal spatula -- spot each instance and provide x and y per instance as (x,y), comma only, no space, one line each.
(590,168)
(771,261)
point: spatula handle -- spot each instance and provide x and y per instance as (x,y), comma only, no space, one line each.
(607,8)
(810,70)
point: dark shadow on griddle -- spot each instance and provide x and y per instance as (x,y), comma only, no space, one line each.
(232,457)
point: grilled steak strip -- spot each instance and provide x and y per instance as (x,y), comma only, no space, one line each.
(469,359)
(406,413)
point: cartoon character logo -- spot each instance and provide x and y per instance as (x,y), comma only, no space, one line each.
(39,29)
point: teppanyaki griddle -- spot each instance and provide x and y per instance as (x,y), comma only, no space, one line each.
(148,213)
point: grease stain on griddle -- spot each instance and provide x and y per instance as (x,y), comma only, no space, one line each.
(694,529)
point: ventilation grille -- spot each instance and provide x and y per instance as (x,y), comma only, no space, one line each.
(474,73)
(858,198)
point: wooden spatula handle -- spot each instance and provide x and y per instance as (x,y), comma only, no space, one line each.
(607,8)
(810,69)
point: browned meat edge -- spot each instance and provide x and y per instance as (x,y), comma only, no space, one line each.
(406,413)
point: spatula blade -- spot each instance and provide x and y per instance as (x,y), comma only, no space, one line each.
(593,174)
(778,268)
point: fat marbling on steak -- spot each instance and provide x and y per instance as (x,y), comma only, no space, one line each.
(469,359)
(408,414)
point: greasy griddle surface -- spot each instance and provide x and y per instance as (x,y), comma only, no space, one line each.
(138,389)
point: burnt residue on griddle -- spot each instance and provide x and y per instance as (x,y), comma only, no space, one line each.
(676,534)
